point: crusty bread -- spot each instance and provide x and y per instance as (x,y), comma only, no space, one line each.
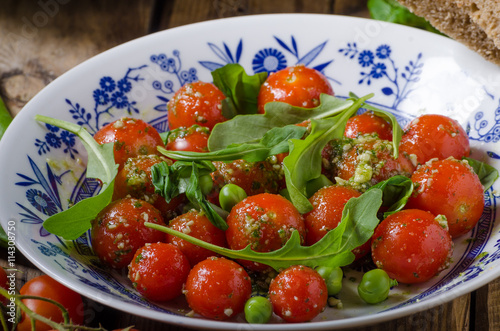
(475,23)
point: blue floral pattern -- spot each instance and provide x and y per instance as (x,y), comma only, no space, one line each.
(113,96)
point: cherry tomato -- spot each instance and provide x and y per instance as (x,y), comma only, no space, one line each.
(46,287)
(298,294)
(252,177)
(434,136)
(217,288)
(4,283)
(299,86)
(263,221)
(368,123)
(158,271)
(199,226)
(368,160)
(411,246)
(193,139)
(119,230)
(135,181)
(196,103)
(131,138)
(328,204)
(457,188)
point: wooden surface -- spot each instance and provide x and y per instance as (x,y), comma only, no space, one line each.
(40,40)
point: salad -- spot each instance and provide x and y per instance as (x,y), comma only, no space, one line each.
(265,187)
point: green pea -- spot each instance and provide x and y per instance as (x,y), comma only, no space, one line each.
(206,184)
(230,195)
(258,310)
(333,278)
(375,286)
(314,185)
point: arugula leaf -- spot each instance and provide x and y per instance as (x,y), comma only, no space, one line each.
(396,192)
(241,90)
(394,12)
(251,128)
(5,118)
(273,142)
(397,131)
(304,161)
(486,173)
(184,177)
(73,222)
(359,219)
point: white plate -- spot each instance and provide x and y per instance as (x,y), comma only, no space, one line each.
(411,72)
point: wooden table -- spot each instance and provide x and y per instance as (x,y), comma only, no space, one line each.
(40,40)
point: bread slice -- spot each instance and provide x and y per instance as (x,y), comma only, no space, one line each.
(475,23)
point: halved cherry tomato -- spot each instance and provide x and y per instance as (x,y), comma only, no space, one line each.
(368,123)
(434,136)
(46,287)
(199,226)
(451,188)
(196,103)
(118,231)
(158,271)
(217,288)
(131,138)
(298,294)
(263,221)
(299,86)
(411,246)
(193,139)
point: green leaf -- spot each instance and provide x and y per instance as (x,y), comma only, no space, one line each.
(394,12)
(303,164)
(273,142)
(396,192)
(241,90)
(73,222)
(251,128)
(5,118)
(486,173)
(397,131)
(359,219)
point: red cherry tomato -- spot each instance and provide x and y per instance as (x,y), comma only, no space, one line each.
(411,246)
(218,288)
(196,103)
(4,283)
(328,204)
(131,138)
(434,136)
(298,294)
(263,221)
(193,139)
(46,287)
(451,188)
(158,271)
(199,226)
(299,86)
(368,123)
(368,160)
(119,230)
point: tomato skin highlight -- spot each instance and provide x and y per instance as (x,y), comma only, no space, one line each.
(199,226)
(196,103)
(158,271)
(298,85)
(46,287)
(457,188)
(368,123)
(411,246)
(118,230)
(131,137)
(298,294)
(263,221)
(217,288)
(434,136)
